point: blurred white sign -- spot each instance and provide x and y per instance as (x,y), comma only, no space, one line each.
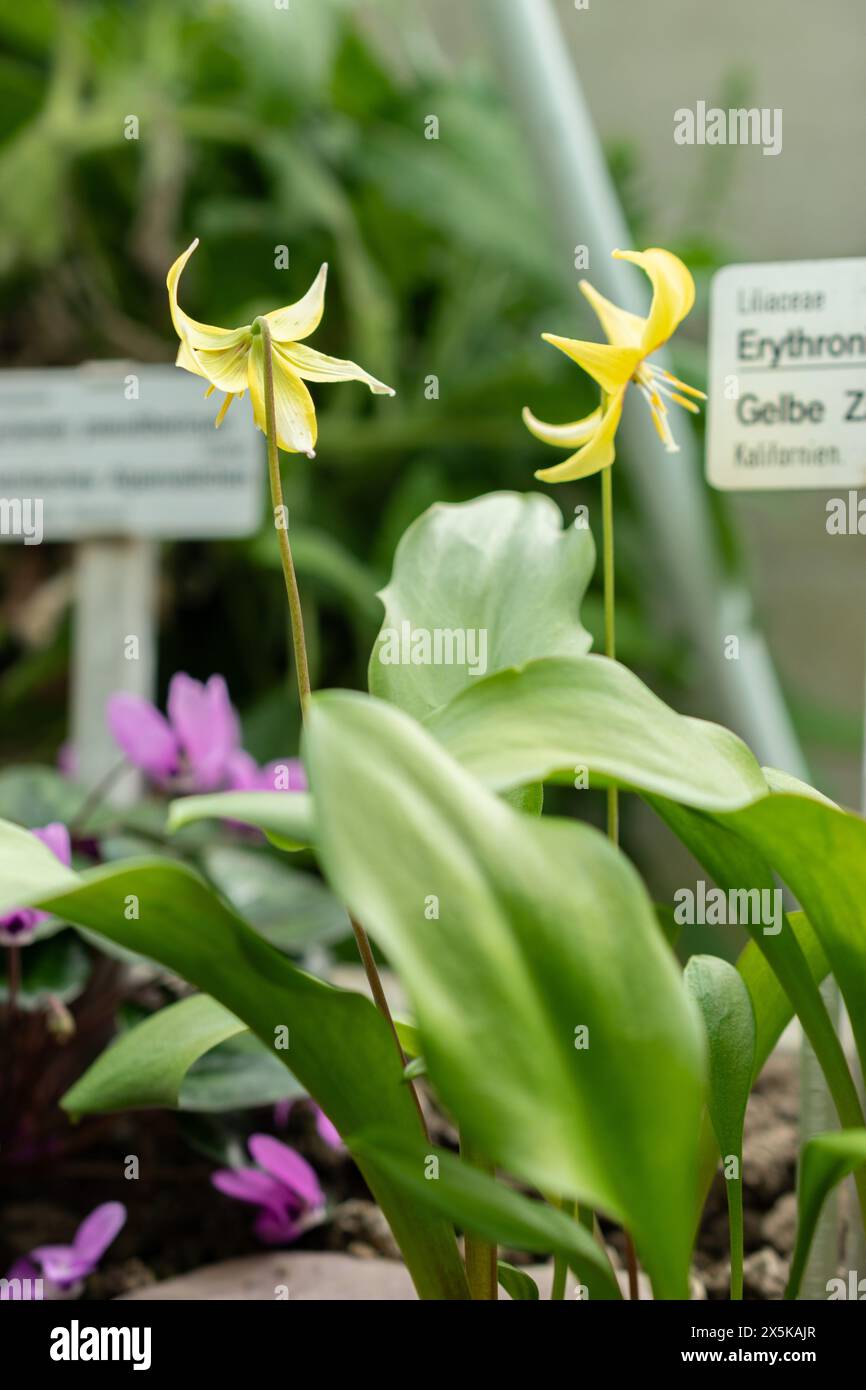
(787,392)
(120,449)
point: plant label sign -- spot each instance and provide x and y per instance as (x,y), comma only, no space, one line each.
(120,449)
(787,395)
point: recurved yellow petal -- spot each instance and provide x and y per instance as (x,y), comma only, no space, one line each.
(294,409)
(621,327)
(673,294)
(316,366)
(195,334)
(225,369)
(564,436)
(299,320)
(186,360)
(612,367)
(596,454)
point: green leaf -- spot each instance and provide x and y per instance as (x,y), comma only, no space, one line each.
(543,928)
(825,1160)
(238,1074)
(175,1059)
(524,725)
(290,908)
(478,1203)
(285,817)
(35,795)
(726,1008)
(519,1285)
(772,1007)
(57,966)
(732,848)
(340,1048)
(500,566)
(146,1066)
(561,713)
(773,1012)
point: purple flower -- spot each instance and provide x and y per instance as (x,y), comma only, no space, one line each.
(284,1187)
(197,746)
(17,927)
(286,775)
(63,1267)
(324,1128)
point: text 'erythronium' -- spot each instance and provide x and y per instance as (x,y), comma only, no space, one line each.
(622,360)
(233,360)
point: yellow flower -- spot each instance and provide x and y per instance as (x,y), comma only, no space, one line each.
(232,360)
(623,359)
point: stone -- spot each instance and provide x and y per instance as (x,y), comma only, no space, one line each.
(779,1226)
(765,1274)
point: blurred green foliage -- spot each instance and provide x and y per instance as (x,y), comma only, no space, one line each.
(257,128)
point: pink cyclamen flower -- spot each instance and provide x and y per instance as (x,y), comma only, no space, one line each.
(196,747)
(17,927)
(64,1267)
(284,1187)
(324,1128)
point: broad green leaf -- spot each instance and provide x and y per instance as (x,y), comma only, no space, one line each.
(820,852)
(718,802)
(478,1203)
(238,1074)
(339,1047)
(155,1065)
(726,1008)
(519,1285)
(35,795)
(57,966)
(773,1012)
(825,1160)
(511,935)
(501,568)
(561,713)
(290,908)
(731,847)
(772,1008)
(285,817)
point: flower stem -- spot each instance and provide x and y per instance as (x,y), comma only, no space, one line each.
(613,792)
(609,620)
(560,1264)
(302,666)
(96,796)
(479,1254)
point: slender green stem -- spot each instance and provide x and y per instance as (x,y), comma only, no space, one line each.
(613,792)
(480,1257)
(281,524)
(302,666)
(735,1221)
(609,619)
(96,796)
(560,1264)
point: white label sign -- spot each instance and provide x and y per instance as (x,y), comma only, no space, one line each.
(120,449)
(787,397)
